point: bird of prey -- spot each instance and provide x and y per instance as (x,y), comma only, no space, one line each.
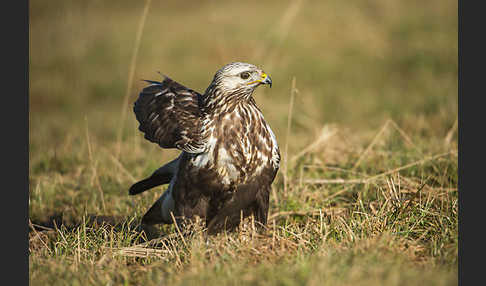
(229,155)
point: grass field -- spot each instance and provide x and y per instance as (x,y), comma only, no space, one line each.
(363,104)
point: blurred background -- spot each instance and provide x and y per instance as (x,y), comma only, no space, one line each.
(356,64)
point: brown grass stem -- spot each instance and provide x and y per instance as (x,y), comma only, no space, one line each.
(282,31)
(379,134)
(373,142)
(121,167)
(448,138)
(293,90)
(178,230)
(39,237)
(131,73)
(326,133)
(369,179)
(93,167)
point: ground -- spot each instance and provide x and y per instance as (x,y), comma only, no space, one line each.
(363,105)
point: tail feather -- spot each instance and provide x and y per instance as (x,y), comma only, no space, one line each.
(161,176)
(144,185)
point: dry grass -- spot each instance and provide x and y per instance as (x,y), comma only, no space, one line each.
(364,106)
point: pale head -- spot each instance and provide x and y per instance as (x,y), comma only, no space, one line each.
(240,78)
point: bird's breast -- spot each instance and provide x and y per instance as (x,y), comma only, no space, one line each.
(226,164)
(240,145)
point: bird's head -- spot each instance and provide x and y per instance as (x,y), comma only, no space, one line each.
(238,80)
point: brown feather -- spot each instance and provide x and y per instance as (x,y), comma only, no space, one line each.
(169,115)
(230,156)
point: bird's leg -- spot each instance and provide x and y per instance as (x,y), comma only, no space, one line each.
(151,231)
(262,203)
(229,216)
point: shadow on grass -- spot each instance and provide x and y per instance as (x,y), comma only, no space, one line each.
(57,221)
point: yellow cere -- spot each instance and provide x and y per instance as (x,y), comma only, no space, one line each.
(264,76)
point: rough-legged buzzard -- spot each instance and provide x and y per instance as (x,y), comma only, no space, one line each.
(229,154)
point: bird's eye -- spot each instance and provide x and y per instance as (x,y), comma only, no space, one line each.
(245,75)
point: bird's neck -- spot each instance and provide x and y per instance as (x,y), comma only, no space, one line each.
(216,100)
(239,116)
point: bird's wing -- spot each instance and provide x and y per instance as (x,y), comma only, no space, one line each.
(169,115)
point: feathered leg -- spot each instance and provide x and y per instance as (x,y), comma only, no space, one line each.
(244,201)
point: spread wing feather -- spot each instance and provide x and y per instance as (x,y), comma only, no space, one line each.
(169,115)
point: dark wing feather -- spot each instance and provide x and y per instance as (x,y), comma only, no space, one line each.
(169,115)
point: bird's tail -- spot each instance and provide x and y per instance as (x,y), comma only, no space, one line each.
(161,176)
(145,184)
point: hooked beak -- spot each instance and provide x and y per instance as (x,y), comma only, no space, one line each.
(266,79)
